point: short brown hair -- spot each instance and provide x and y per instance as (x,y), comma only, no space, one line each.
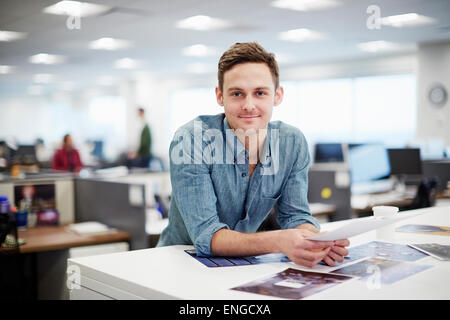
(247,52)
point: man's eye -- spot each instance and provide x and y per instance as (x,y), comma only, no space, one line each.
(236,94)
(260,93)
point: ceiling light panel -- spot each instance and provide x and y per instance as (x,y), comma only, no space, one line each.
(406,20)
(203,23)
(76,9)
(45,58)
(199,50)
(376,46)
(4,69)
(11,35)
(300,35)
(305,5)
(110,44)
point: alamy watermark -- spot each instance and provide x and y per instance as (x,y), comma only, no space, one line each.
(373,282)
(374,20)
(73,277)
(210,147)
(73,23)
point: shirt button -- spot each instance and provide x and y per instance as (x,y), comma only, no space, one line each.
(244,175)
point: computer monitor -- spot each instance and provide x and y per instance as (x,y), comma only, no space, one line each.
(328,152)
(405,161)
(368,162)
(25,154)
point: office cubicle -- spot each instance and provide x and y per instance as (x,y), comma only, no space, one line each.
(331,187)
(118,205)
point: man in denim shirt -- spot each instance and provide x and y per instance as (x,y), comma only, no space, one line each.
(229,170)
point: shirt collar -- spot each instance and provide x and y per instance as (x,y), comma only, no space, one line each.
(266,149)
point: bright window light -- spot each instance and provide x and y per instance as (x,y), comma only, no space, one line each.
(202,23)
(300,35)
(106,81)
(186,104)
(110,44)
(44,78)
(201,68)
(406,20)
(68,86)
(126,63)
(11,35)
(45,58)
(199,50)
(284,58)
(305,5)
(76,9)
(35,90)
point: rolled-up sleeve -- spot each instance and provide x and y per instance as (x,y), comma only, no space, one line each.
(193,192)
(293,208)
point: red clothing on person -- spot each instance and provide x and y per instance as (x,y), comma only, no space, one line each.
(68,160)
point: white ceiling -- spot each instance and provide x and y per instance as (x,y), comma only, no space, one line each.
(150,24)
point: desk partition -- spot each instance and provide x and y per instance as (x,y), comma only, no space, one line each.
(331,187)
(439,169)
(118,205)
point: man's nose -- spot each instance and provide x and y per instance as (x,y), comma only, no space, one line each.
(248,104)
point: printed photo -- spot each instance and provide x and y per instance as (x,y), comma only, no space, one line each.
(293,284)
(387,271)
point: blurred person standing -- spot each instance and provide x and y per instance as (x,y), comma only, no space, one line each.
(141,157)
(67,158)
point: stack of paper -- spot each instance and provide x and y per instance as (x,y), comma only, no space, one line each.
(90,227)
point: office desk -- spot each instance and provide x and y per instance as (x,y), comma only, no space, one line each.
(170,273)
(40,268)
(363,203)
(50,238)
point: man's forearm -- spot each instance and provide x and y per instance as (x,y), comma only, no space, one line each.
(308,226)
(233,243)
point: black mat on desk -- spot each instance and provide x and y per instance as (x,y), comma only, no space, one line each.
(214,262)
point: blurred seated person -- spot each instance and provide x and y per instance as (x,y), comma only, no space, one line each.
(67,158)
(141,157)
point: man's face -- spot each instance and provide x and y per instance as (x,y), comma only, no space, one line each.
(248,96)
(68,143)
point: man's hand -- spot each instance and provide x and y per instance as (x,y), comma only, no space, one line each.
(295,246)
(337,251)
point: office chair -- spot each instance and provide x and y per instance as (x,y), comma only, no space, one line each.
(11,267)
(426,194)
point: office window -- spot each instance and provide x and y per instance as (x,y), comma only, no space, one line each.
(379,108)
(186,104)
(325,109)
(107,122)
(385,109)
(364,109)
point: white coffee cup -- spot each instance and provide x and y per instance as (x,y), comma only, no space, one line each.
(384,211)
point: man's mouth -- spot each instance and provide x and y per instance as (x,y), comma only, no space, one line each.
(250,116)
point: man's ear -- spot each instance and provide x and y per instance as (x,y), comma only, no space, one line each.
(219,96)
(279,93)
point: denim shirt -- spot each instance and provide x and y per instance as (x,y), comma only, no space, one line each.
(211,188)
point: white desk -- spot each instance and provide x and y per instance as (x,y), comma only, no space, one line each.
(170,273)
